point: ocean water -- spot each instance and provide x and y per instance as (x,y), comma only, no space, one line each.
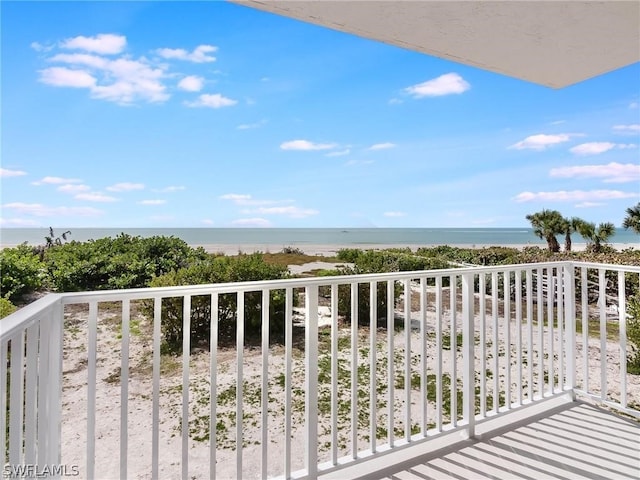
(280,237)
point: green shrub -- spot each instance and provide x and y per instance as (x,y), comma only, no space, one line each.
(21,272)
(6,307)
(633,334)
(120,262)
(220,269)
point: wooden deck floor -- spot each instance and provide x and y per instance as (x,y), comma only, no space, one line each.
(575,441)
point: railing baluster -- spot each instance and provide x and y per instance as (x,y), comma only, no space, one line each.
(551,321)
(186,353)
(4,347)
(124,390)
(407,360)
(155,406)
(622,324)
(423,355)
(468,353)
(91,388)
(529,287)
(506,276)
(496,351)
(391,325)
(539,288)
(482,291)
(561,345)
(518,287)
(311,381)
(16,402)
(602,306)
(570,325)
(239,382)
(44,388)
(354,370)
(288,354)
(373,393)
(439,359)
(584,291)
(453,344)
(334,374)
(266,294)
(31,395)
(213,385)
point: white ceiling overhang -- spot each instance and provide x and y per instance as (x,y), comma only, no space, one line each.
(552,43)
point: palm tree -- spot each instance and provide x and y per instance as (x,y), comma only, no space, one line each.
(546,225)
(569,226)
(597,236)
(632,220)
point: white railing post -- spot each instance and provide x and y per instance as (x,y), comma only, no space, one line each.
(311,381)
(468,351)
(54,454)
(570,322)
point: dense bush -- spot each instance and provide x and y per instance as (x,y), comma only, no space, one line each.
(6,307)
(121,262)
(633,334)
(220,270)
(21,272)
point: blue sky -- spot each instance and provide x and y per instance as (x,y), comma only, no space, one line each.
(208,114)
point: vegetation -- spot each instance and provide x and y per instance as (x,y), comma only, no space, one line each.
(633,334)
(22,272)
(6,307)
(546,225)
(632,219)
(596,236)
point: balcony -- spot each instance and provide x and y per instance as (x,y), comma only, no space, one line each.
(469,372)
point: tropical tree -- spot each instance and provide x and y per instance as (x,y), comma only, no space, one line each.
(632,220)
(596,236)
(546,225)
(570,225)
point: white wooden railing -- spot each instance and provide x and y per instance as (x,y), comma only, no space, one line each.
(453,349)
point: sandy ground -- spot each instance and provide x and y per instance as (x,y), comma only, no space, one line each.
(499,362)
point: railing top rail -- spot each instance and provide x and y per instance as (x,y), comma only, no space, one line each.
(21,319)
(609,266)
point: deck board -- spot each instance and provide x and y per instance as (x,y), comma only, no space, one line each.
(580,441)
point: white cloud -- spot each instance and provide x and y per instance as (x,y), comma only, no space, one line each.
(73,188)
(192,83)
(592,148)
(171,189)
(212,101)
(632,129)
(589,204)
(395,214)
(103,43)
(248,200)
(125,187)
(394,101)
(95,197)
(248,126)
(198,55)
(38,47)
(39,210)
(339,153)
(610,173)
(207,221)
(541,141)
(633,105)
(21,222)
(289,211)
(450,83)
(251,222)
(306,145)
(351,163)
(574,196)
(5,172)
(66,77)
(152,202)
(56,181)
(122,80)
(382,146)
